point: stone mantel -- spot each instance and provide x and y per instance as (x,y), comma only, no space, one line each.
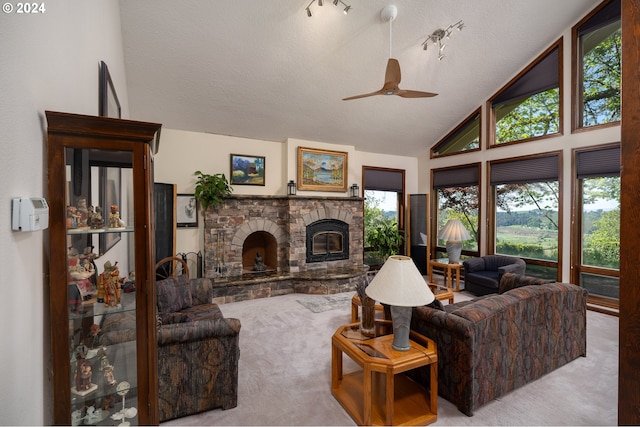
(284,220)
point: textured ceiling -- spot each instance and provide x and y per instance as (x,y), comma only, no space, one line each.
(262,69)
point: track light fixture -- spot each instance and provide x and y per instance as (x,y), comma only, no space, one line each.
(346,9)
(438,35)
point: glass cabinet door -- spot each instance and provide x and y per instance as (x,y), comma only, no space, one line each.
(101,286)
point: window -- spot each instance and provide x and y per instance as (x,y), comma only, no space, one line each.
(383,210)
(457,195)
(526,220)
(597,42)
(597,209)
(530,106)
(465,137)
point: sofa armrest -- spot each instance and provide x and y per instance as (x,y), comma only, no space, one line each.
(517,267)
(473,264)
(198,330)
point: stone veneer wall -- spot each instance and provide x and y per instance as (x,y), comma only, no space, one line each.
(284,217)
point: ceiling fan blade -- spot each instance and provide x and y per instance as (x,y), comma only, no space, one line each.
(378,92)
(415,94)
(392,75)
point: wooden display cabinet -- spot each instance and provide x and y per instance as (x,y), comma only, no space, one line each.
(101,268)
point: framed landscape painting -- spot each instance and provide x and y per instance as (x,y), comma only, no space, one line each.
(247,170)
(322,170)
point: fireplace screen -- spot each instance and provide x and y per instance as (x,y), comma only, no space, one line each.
(327,240)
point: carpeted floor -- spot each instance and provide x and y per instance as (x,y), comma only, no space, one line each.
(285,372)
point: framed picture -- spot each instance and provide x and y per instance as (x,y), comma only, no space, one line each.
(186,210)
(109,179)
(108,98)
(247,170)
(322,170)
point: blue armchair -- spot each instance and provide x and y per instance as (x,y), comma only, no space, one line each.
(482,275)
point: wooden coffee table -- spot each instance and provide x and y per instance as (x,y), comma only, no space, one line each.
(380,393)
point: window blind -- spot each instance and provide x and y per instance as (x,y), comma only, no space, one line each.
(598,163)
(537,169)
(457,177)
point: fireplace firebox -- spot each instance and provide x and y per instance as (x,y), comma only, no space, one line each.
(327,240)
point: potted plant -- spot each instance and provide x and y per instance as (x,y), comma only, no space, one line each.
(385,238)
(211,189)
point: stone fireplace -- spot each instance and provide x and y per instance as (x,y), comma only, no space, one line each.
(305,244)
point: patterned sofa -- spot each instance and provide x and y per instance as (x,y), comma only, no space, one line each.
(494,344)
(198,349)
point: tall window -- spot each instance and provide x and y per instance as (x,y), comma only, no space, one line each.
(527,205)
(465,137)
(530,106)
(383,213)
(457,195)
(597,42)
(597,209)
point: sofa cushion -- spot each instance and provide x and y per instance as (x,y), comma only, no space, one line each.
(512,281)
(173,294)
(437,304)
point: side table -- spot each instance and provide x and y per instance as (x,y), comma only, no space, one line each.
(380,393)
(444,264)
(442,293)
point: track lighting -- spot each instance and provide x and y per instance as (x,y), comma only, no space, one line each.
(438,35)
(346,9)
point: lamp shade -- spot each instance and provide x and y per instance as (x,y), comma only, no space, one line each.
(399,283)
(454,231)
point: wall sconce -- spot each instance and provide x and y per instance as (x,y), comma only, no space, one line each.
(346,9)
(439,34)
(291,188)
(355,190)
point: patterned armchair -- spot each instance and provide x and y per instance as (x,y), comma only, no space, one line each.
(198,350)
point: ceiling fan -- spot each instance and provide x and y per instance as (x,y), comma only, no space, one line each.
(392,75)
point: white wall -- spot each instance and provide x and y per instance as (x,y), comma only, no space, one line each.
(182,153)
(48,62)
(565,143)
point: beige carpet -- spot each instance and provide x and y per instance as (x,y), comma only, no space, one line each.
(285,373)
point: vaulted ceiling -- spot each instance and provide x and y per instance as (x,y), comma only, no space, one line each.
(263,69)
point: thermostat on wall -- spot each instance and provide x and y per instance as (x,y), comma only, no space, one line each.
(29,214)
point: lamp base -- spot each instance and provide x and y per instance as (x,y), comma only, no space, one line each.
(401,318)
(454,250)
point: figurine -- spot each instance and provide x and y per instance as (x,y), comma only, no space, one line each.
(112,285)
(95,219)
(258,264)
(114,218)
(72,217)
(83,375)
(83,212)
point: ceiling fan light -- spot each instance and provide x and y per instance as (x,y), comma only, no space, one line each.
(320,3)
(335,2)
(308,12)
(346,9)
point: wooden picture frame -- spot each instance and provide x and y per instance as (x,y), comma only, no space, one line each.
(108,98)
(186,211)
(322,170)
(247,170)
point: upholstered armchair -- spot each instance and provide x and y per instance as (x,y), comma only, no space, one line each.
(482,275)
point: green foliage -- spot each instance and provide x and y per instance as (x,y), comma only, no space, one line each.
(601,247)
(211,189)
(526,250)
(530,117)
(385,237)
(601,81)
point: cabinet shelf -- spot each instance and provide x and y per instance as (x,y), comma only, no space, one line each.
(88,231)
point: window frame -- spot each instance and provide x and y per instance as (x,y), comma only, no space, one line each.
(433,238)
(449,138)
(576,237)
(492,209)
(577,72)
(490,107)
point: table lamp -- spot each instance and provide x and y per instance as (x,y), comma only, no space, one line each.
(454,233)
(400,285)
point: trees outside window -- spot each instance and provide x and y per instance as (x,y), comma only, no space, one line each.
(597,67)
(459,203)
(382,237)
